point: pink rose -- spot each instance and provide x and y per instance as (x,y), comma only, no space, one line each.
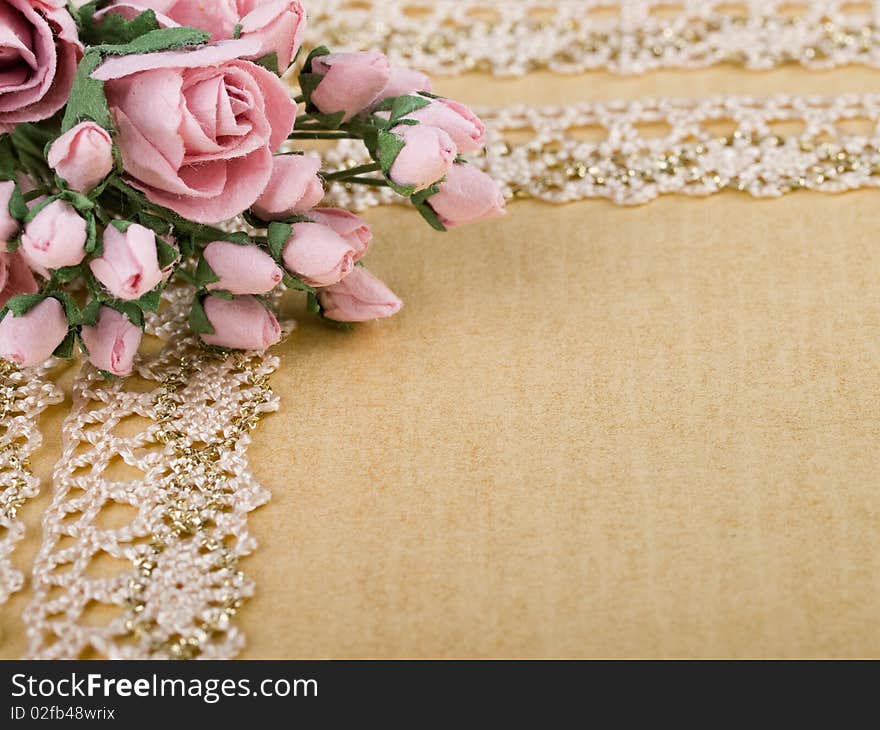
(242,269)
(39,51)
(8,224)
(351,81)
(16,277)
(467,195)
(31,339)
(404,82)
(113,342)
(293,188)
(464,127)
(318,255)
(129,264)
(83,156)
(278,25)
(351,227)
(55,238)
(243,323)
(359,297)
(426,158)
(197,128)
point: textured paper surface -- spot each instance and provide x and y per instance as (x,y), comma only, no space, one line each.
(592,432)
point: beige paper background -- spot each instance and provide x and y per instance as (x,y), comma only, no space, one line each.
(592,432)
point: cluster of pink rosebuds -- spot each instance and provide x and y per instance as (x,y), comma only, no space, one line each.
(144,145)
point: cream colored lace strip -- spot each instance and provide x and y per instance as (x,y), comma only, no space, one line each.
(633,152)
(24,396)
(144,563)
(514,37)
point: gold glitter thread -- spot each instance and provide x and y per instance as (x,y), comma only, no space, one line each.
(175,584)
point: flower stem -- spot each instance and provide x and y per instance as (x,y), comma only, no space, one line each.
(371,181)
(353,172)
(304,134)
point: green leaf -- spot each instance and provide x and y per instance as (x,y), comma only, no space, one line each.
(87,99)
(270,63)
(278,234)
(168,254)
(151,300)
(64,351)
(163,39)
(116,30)
(205,274)
(198,319)
(155,223)
(8,162)
(293,282)
(23,303)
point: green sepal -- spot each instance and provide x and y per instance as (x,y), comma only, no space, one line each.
(401,106)
(293,282)
(89,317)
(223,294)
(198,319)
(278,235)
(91,235)
(167,253)
(204,274)
(113,28)
(18,207)
(236,31)
(150,301)
(71,309)
(21,304)
(38,208)
(121,225)
(161,39)
(131,310)
(64,351)
(67,274)
(80,202)
(313,306)
(270,63)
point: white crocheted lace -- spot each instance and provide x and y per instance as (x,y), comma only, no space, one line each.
(24,395)
(513,37)
(145,564)
(636,151)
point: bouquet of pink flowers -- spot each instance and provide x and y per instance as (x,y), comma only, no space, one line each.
(150,141)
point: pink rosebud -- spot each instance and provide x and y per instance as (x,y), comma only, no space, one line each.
(242,269)
(83,156)
(129,265)
(403,82)
(426,158)
(8,224)
(293,188)
(55,238)
(351,227)
(318,255)
(467,195)
(16,277)
(113,342)
(31,339)
(243,323)
(279,26)
(458,121)
(358,298)
(351,81)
